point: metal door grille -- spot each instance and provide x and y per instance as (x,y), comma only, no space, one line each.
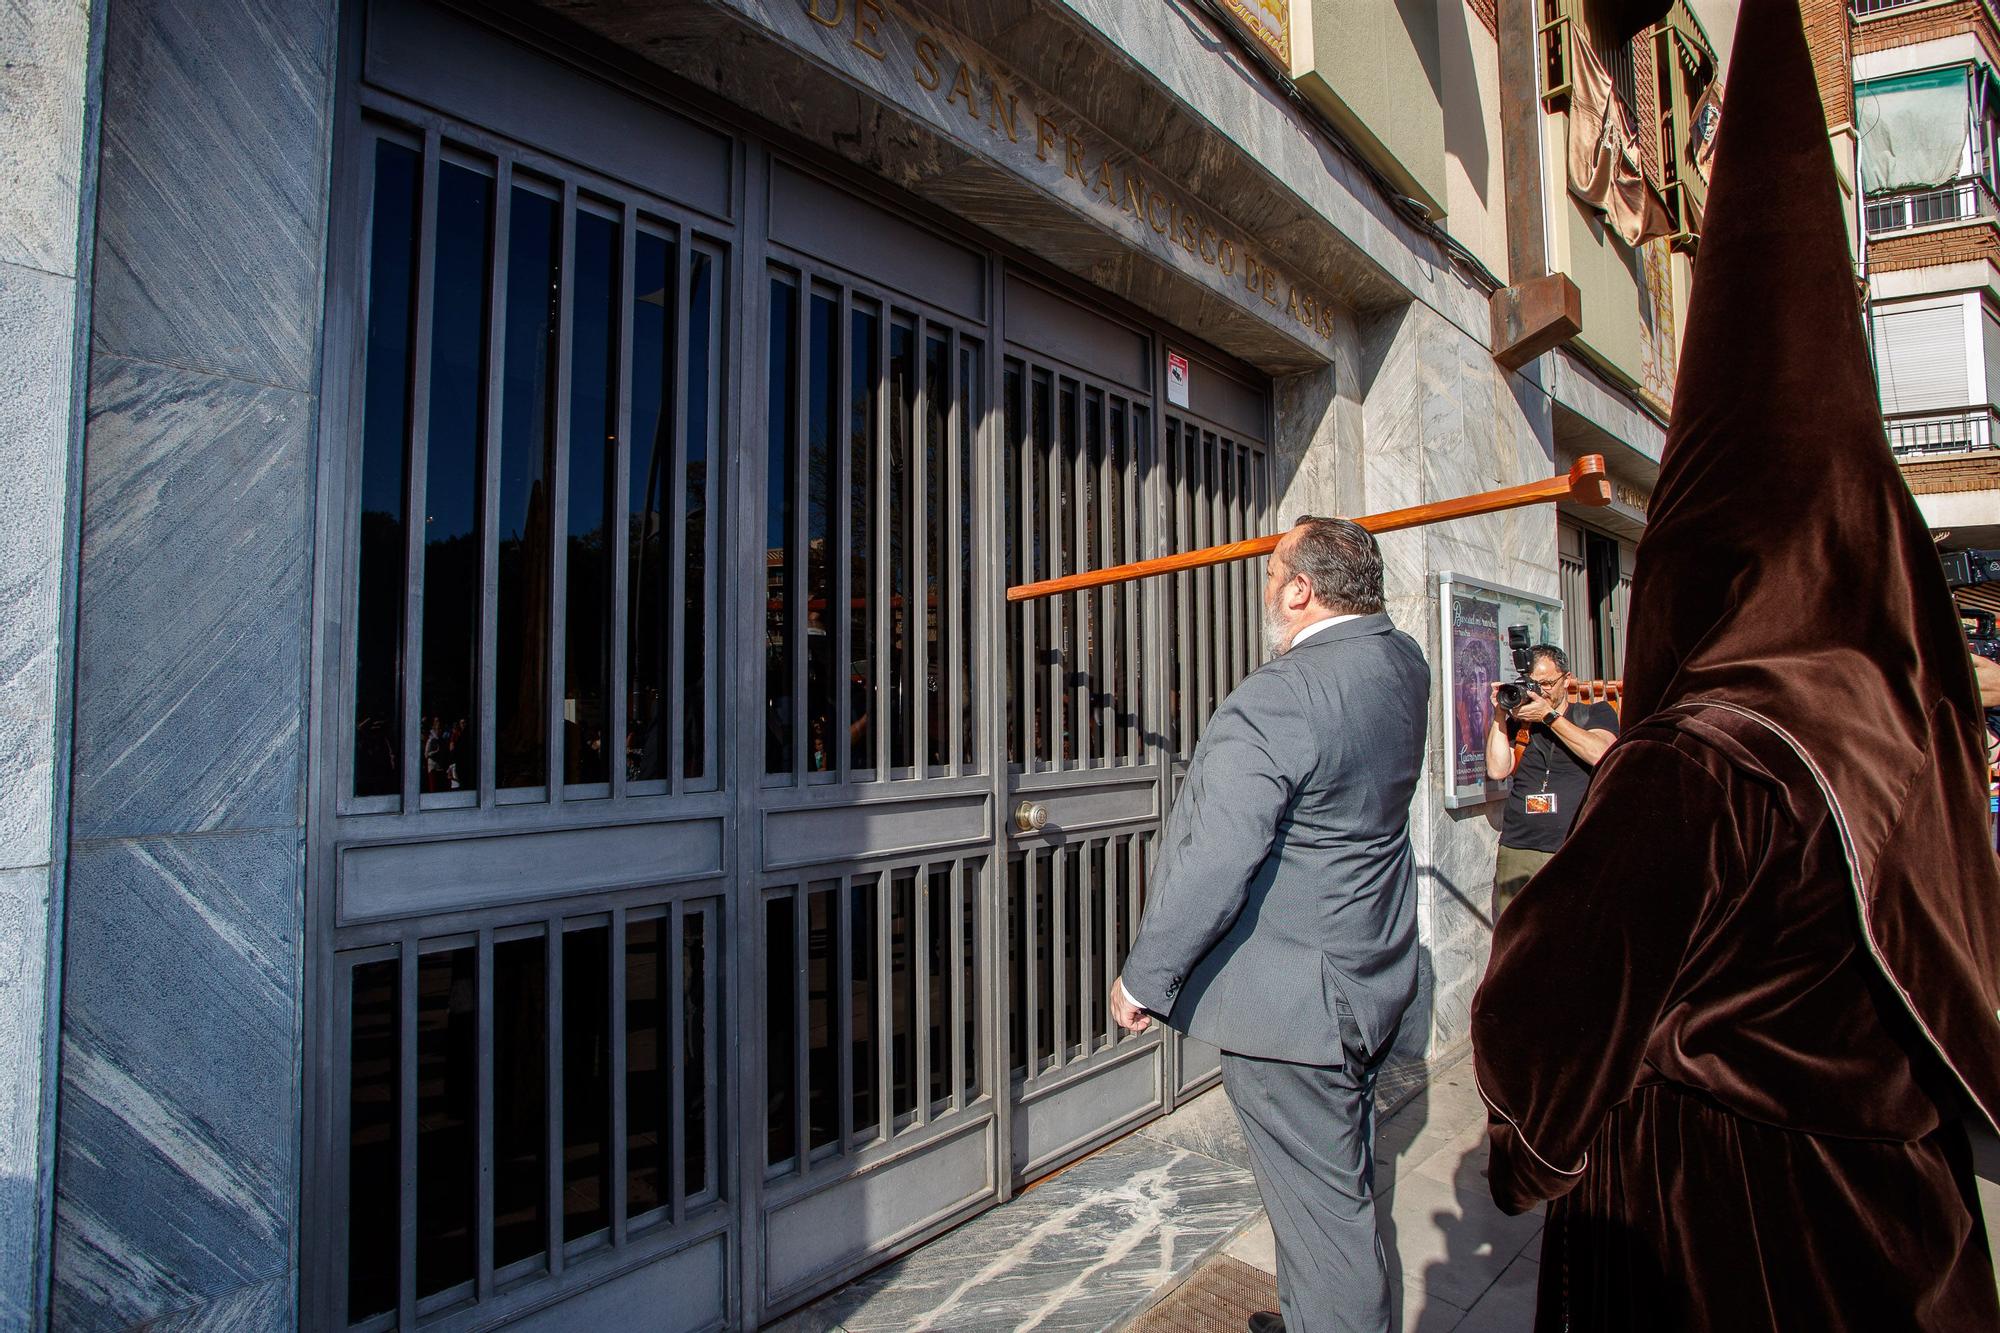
(521,1095)
(1075,469)
(517,1089)
(1072,914)
(542,384)
(1218,489)
(874,404)
(872,987)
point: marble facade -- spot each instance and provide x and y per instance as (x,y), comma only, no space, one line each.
(162,311)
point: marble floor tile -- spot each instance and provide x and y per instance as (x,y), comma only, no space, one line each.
(1420,1311)
(1449,1240)
(1081,1251)
(1509,1304)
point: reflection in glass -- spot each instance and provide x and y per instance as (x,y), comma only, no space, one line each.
(940,965)
(447,1147)
(1071,677)
(450,694)
(392,283)
(648,1174)
(649,530)
(863,371)
(1017,965)
(862,895)
(935,614)
(780,1029)
(822,389)
(971,406)
(902,628)
(780,562)
(586,1059)
(704,342)
(374,1168)
(696,1056)
(1091,649)
(1073,957)
(527,441)
(593,462)
(968,883)
(520,1096)
(824,1079)
(903,976)
(1043,693)
(1013,554)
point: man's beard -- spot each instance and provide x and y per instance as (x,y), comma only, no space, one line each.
(1275,636)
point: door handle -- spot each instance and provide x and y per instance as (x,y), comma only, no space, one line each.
(1030,816)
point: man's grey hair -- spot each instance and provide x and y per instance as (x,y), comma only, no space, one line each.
(1340,562)
(1552,653)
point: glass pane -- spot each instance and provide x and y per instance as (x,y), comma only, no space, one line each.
(586,1081)
(1041,940)
(867,1045)
(903,965)
(447,1147)
(779,563)
(940,966)
(520,1099)
(1091,649)
(1116,602)
(780,1029)
(1042,565)
(704,338)
(593,459)
(936,617)
(968,900)
(1074,956)
(1018,947)
(1011,518)
(1071,675)
(823,387)
(695,1052)
(970,407)
(374,1168)
(649,527)
(647,1072)
(1095,982)
(902,630)
(821,932)
(392,285)
(864,371)
(527,437)
(450,696)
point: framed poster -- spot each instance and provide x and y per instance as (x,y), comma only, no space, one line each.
(1474,617)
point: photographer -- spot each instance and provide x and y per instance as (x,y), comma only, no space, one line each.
(1565,742)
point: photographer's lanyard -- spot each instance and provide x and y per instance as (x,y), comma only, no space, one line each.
(1544,802)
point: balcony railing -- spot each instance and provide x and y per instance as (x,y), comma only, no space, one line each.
(1920,434)
(1866,8)
(1960,201)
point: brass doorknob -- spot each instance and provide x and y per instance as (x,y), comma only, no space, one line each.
(1030,816)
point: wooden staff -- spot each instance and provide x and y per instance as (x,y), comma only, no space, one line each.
(1586,483)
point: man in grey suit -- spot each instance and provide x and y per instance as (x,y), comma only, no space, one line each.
(1281,924)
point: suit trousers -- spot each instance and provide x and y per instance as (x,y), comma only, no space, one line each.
(1311,1131)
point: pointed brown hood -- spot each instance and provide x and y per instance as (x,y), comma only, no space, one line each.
(1785,570)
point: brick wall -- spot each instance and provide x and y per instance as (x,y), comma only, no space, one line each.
(1947,245)
(1488,12)
(1897,27)
(1829,38)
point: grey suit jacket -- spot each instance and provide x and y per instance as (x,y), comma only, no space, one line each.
(1285,878)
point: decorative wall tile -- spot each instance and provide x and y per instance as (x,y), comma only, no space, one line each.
(196,547)
(176,1175)
(212,185)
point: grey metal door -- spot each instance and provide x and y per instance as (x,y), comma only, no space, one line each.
(1105,693)
(520,844)
(871,1120)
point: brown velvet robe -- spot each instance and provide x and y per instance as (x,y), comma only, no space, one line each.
(1732,1027)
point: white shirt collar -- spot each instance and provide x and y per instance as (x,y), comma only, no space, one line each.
(1319,625)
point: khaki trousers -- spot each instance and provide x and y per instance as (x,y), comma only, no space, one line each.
(1516,866)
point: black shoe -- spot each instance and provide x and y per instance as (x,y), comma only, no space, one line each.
(1267,1321)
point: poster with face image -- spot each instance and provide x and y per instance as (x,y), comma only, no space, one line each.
(1475,618)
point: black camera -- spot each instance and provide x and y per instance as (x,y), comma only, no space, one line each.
(1517,691)
(1966,569)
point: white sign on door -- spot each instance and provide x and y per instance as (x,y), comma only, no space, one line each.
(1177,379)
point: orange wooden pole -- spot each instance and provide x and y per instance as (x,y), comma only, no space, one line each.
(1585,483)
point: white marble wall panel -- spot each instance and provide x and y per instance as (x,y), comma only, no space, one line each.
(42,162)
